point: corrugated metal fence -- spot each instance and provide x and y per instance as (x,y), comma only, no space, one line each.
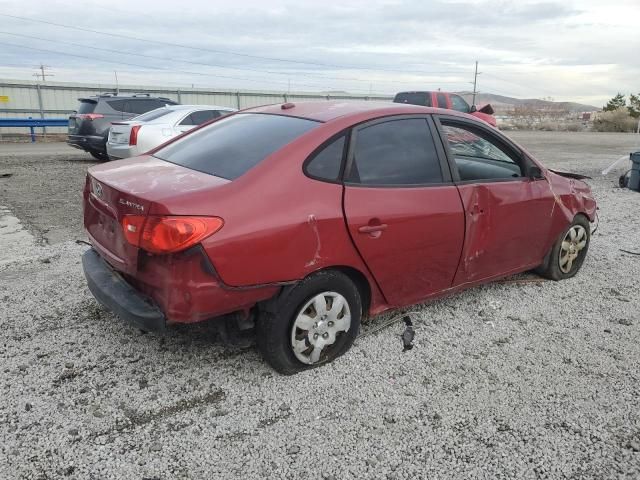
(23,99)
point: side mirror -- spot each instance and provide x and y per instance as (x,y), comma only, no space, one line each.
(488,109)
(534,172)
(473,109)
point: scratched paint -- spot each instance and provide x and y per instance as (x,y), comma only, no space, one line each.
(313,223)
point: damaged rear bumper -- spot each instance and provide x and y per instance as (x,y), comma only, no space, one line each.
(112,291)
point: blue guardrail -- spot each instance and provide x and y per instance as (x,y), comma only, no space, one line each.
(33,123)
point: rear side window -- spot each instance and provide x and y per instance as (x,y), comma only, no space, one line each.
(325,165)
(153,115)
(118,105)
(198,118)
(143,106)
(414,98)
(398,152)
(231,146)
(442,100)
(87,106)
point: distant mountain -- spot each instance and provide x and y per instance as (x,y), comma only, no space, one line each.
(501,103)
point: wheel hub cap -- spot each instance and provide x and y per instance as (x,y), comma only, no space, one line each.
(317,326)
(573,243)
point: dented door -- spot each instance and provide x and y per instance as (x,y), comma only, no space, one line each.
(507,225)
(507,211)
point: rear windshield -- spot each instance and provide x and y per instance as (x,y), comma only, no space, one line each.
(414,98)
(152,115)
(87,106)
(231,146)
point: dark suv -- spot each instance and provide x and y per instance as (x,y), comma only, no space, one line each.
(89,126)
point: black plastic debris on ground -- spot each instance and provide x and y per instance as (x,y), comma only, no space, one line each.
(408,335)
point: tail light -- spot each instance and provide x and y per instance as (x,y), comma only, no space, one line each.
(133,137)
(160,234)
(90,116)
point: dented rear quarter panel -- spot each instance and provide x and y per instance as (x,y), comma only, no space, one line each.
(274,234)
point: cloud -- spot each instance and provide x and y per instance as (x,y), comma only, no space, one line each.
(566,49)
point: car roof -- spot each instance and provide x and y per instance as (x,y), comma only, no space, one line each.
(325,111)
(198,107)
(95,98)
(428,91)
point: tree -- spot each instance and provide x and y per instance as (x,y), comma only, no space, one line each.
(634,105)
(615,103)
(616,121)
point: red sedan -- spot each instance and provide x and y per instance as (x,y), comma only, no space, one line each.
(301,220)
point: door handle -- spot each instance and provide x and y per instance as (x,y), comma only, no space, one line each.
(373,228)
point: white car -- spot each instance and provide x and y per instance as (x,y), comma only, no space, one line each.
(147,131)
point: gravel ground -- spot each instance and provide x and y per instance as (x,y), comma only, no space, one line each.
(508,380)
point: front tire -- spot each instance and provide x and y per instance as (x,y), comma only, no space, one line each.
(311,323)
(569,251)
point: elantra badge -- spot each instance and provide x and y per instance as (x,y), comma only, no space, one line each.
(128,203)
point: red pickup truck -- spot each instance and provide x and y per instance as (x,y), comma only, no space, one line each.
(451,101)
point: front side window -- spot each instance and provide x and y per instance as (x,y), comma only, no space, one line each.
(442,100)
(398,152)
(231,146)
(460,104)
(479,156)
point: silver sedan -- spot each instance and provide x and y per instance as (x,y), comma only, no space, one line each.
(147,131)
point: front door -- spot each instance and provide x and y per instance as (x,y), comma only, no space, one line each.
(403,213)
(508,214)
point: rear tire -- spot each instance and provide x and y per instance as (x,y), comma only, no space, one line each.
(103,157)
(568,252)
(311,323)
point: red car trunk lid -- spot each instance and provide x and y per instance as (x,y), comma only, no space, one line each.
(135,187)
(104,208)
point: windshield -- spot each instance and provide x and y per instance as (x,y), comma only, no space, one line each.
(231,146)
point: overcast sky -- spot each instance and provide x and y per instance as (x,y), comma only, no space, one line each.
(582,51)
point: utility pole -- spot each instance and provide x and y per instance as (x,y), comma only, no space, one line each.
(117,86)
(475,83)
(42,73)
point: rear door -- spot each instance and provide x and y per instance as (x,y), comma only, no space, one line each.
(403,213)
(508,214)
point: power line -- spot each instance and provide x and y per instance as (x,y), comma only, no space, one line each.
(224,52)
(153,57)
(170,70)
(515,83)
